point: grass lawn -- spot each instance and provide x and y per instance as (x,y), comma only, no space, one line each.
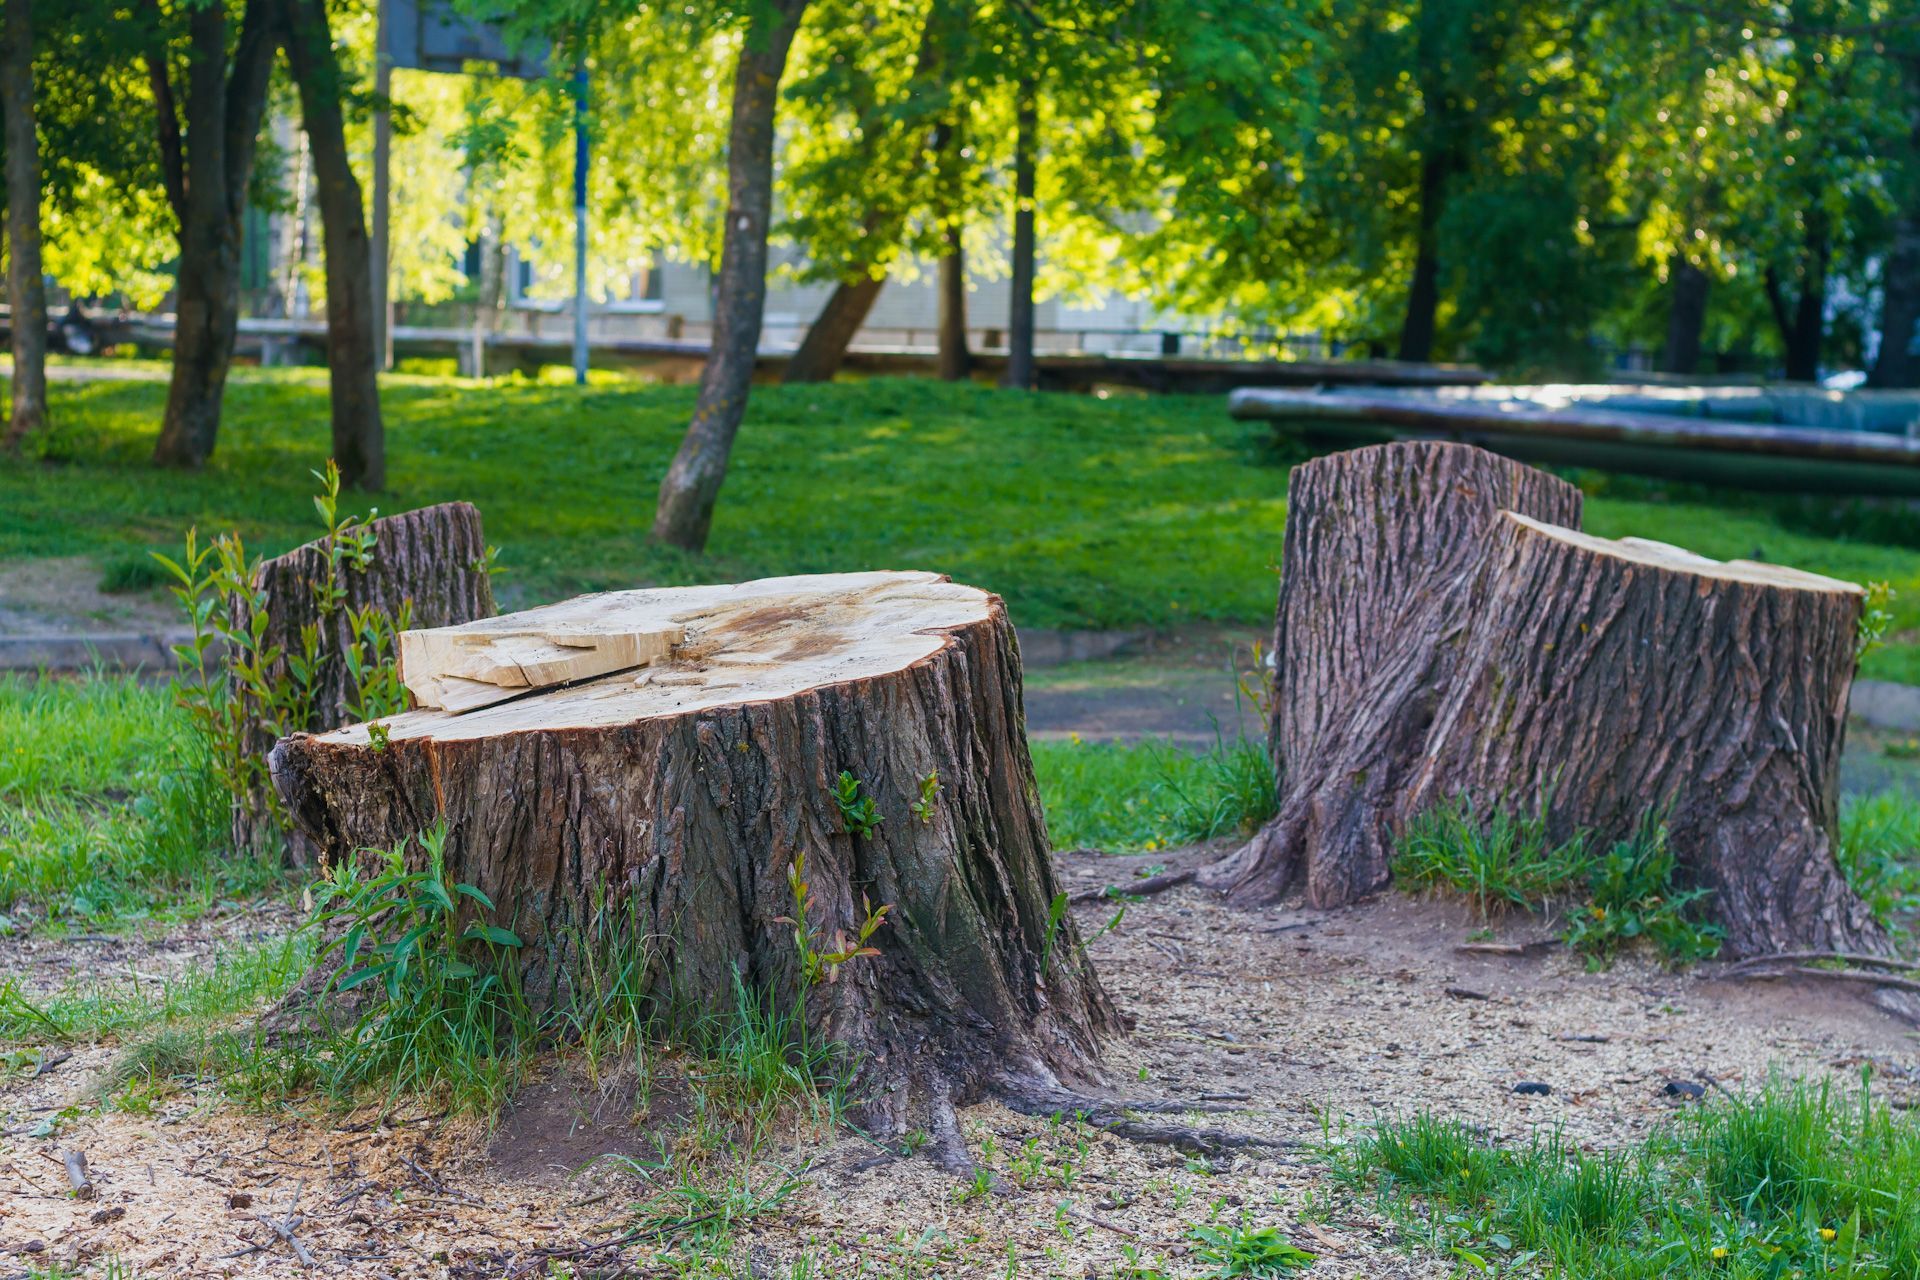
(1081,512)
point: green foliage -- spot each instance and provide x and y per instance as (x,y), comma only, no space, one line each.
(859,812)
(1632,893)
(1796,1180)
(239,688)
(1497,859)
(1240,1250)
(929,797)
(817,965)
(1141,797)
(94,1008)
(107,806)
(1879,852)
(1501,860)
(446,1011)
(1876,618)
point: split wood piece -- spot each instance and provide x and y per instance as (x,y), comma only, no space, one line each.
(1611,681)
(1381,546)
(464,668)
(664,813)
(433,559)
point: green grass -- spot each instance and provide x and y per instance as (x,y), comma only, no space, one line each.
(1880,853)
(1139,797)
(106,807)
(1797,1181)
(1616,894)
(99,1007)
(1082,512)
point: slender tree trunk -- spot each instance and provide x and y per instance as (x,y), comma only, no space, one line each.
(692,483)
(359,439)
(1803,324)
(1019,372)
(207,175)
(1898,365)
(1687,317)
(824,348)
(26,289)
(1423,294)
(956,361)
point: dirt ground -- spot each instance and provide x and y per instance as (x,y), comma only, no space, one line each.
(1301,1020)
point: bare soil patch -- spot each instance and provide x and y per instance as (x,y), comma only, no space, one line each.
(1305,1021)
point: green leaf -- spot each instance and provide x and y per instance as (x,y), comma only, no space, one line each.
(474,893)
(492,933)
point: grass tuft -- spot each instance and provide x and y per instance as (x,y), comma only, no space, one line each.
(1798,1180)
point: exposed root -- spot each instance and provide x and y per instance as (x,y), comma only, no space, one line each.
(948,1149)
(1120,1117)
(1138,889)
(1738,967)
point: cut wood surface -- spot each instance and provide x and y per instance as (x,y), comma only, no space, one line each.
(431,562)
(1459,649)
(666,807)
(464,668)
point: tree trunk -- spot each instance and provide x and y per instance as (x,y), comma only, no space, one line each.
(428,566)
(1686,319)
(955,360)
(359,438)
(664,810)
(1423,292)
(824,348)
(207,174)
(1898,364)
(692,483)
(1380,544)
(1019,371)
(1802,324)
(1431,642)
(26,286)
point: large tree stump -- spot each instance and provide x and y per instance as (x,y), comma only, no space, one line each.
(673,801)
(1522,663)
(430,563)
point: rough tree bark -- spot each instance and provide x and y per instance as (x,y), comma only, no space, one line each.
(26,286)
(672,804)
(1019,370)
(824,349)
(691,486)
(1686,317)
(359,438)
(1444,630)
(431,562)
(206,178)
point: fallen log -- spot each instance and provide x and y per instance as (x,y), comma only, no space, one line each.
(870,724)
(1522,663)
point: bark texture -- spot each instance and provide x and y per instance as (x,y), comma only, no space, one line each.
(1430,642)
(671,805)
(432,559)
(1019,370)
(26,285)
(359,438)
(824,348)
(684,514)
(207,174)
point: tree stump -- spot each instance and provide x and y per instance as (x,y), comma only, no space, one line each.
(431,563)
(1441,634)
(674,801)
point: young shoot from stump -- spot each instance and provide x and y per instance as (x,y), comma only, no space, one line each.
(816,965)
(859,812)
